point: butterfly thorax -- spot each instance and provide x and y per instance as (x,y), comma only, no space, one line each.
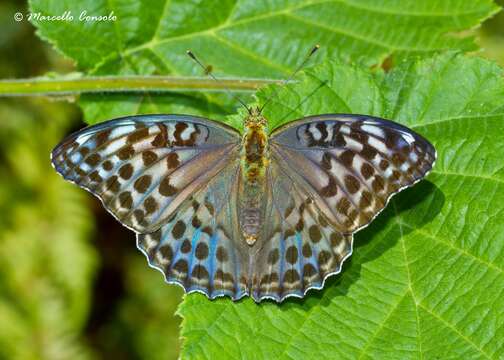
(254,152)
(254,163)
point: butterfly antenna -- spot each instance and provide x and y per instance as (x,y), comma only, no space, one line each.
(294,73)
(208,71)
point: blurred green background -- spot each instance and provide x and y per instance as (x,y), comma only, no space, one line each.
(72,284)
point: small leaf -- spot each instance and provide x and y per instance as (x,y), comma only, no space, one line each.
(426,278)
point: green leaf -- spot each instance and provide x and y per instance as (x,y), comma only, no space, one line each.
(243,38)
(250,37)
(426,278)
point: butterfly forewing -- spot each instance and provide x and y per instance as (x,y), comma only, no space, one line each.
(144,167)
(350,164)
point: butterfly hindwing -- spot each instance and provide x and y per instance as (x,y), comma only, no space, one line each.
(144,167)
(201,248)
(300,249)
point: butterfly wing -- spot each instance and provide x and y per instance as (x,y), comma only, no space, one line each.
(330,175)
(172,179)
(144,167)
(299,247)
(201,247)
(352,164)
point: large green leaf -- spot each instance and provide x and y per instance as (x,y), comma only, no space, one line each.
(254,37)
(426,278)
(244,38)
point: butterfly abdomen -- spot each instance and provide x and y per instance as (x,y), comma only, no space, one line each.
(254,162)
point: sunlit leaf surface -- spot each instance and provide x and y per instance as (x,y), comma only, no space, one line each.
(426,278)
(244,38)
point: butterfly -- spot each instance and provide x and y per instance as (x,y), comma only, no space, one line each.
(269,214)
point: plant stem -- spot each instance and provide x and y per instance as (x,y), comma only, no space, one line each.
(74,86)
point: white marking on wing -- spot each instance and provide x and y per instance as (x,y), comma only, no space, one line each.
(186,134)
(115,145)
(357,164)
(345,129)
(83,138)
(121,130)
(75,158)
(408,137)
(352,144)
(85,167)
(330,130)
(378,145)
(373,130)
(170,129)
(317,135)
(103,173)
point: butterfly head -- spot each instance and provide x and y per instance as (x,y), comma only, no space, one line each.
(255,119)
